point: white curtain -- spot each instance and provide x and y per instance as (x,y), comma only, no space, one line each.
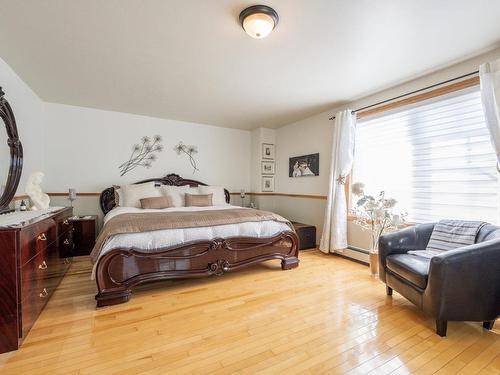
(334,236)
(490,95)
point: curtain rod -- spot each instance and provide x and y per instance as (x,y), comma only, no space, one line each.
(412,92)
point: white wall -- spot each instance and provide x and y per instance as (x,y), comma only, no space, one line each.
(28,110)
(314,134)
(259,136)
(84,148)
(301,138)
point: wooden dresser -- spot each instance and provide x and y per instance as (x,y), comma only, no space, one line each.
(33,260)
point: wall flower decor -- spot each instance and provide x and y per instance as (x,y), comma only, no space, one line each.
(189,150)
(143,155)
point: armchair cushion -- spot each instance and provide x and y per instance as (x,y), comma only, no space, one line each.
(413,268)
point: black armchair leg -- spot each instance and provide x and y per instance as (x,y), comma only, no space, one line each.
(388,290)
(488,324)
(441,326)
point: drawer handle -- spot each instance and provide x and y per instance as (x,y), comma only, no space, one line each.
(66,222)
(43,266)
(66,242)
(44,293)
(42,237)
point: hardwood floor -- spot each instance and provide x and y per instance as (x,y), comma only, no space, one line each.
(327,316)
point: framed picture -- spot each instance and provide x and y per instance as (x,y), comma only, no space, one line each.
(268,151)
(305,165)
(267,183)
(267,167)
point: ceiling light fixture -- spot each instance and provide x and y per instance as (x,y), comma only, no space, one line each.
(258,21)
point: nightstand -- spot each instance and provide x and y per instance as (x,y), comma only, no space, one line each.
(306,234)
(84,233)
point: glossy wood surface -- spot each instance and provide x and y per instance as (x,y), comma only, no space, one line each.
(306,234)
(35,238)
(121,269)
(84,235)
(9,325)
(34,257)
(107,197)
(327,316)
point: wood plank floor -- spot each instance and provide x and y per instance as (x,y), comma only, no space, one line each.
(327,316)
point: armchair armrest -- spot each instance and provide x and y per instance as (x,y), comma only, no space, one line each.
(400,242)
(464,284)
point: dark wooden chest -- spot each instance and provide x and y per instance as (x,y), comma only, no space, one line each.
(307,235)
(84,234)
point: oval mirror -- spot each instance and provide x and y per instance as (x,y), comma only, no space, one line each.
(11,155)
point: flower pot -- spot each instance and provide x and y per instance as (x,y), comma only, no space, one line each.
(373,260)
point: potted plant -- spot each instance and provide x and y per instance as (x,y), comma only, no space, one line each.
(377,216)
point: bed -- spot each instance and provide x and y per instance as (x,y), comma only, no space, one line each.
(128,259)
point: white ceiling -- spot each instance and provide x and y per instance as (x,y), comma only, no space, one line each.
(190,60)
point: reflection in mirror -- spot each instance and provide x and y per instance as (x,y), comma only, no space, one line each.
(11,155)
(4,158)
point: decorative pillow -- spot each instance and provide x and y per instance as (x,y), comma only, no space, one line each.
(132,194)
(176,193)
(198,200)
(156,202)
(118,195)
(219,199)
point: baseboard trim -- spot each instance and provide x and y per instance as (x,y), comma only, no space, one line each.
(354,255)
(358,249)
(289,195)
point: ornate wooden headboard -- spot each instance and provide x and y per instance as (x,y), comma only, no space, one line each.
(107,199)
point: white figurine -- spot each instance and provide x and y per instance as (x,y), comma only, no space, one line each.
(39,200)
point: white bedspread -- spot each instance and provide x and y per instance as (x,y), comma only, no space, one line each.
(149,241)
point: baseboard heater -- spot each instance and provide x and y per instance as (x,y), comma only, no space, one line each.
(358,249)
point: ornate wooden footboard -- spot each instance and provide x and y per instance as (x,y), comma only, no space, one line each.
(121,269)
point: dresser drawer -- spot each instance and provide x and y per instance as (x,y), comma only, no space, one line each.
(32,273)
(46,269)
(65,249)
(64,225)
(32,306)
(36,238)
(35,291)
(39,278)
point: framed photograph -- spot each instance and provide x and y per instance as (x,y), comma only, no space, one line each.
(268,151)
(303,166)
(268,183)
(267,167)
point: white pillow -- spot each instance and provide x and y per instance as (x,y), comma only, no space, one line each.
(218,197)
(118,196)
(176,193)
(131,195)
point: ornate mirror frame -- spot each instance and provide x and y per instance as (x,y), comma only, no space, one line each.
(16,154)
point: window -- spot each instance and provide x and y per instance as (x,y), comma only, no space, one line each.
(435,158)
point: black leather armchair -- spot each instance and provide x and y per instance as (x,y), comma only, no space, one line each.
(459,285)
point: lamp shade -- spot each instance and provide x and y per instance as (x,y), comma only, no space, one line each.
(258,21)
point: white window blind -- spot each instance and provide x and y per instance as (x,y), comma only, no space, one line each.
(435,158)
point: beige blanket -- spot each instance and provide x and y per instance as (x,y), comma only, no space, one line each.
(151,221)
